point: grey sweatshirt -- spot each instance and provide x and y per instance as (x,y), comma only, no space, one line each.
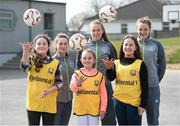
(67,68)
(155,60)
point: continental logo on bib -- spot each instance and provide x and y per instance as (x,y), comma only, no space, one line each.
(134,82)
(40,79)
(88,92)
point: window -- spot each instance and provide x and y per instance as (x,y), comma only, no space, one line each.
(123,28)
(165,25)
(48,21)
(49,24)
(6,20)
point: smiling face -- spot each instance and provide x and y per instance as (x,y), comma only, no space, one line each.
(96,31)
(88,59)
(143,30)
(62,46)
(41,47)
(129,48)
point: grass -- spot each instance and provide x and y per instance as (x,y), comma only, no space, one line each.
(117,45)
(174,57)
(171,46)
(172,49)
(175,41)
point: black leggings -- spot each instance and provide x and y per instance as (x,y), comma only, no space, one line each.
(34,118)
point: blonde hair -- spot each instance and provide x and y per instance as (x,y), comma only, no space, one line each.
(145,20)
(58,36)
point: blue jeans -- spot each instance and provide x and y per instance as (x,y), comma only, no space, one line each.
(152,109)
(127,114)
(63,113)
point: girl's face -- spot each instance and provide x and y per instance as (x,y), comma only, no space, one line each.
(129,48)
(143,30)
(87,59)
(62,46)
(41,47)
(96,32)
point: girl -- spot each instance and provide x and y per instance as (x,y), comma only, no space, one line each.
(103,49)
(154,57)
(64,98)
(43,80)
(131,82)
(90,92)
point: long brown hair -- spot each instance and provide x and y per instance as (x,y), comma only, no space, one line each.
(104,35)
(33,54)
(137,53)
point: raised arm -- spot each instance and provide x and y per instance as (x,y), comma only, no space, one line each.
(26,46)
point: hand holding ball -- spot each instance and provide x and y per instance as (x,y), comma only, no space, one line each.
(32,17)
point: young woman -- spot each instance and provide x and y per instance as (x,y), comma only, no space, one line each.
(131,82)
(65,96)
(103,49)
(43,80)
(90,92)
(154,57)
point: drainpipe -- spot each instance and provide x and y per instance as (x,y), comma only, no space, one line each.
(29,27)
(179,28)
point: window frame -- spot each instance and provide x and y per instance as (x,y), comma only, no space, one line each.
(8,19)
(166,26)
(124,29)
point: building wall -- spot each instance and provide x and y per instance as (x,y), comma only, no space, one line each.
(114,28)
(10,39)
(59,15)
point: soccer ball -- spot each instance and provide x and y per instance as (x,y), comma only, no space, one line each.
(107,14)
(77,41)
(32,17)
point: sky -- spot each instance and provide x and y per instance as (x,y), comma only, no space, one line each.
(76,6)
(72,7)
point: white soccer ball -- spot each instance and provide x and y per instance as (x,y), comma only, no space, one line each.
(77,41)
(107,14)
(32,17)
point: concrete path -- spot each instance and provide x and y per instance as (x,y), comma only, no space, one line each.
(13,92)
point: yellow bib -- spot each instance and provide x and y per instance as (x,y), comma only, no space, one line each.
(127,85)
(87,100)
(37,83)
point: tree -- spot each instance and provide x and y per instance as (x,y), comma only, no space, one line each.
(96,5)
(93,7)
(76,22)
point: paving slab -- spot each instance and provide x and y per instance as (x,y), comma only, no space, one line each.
(13,98)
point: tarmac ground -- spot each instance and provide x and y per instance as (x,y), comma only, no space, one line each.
(13,98)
